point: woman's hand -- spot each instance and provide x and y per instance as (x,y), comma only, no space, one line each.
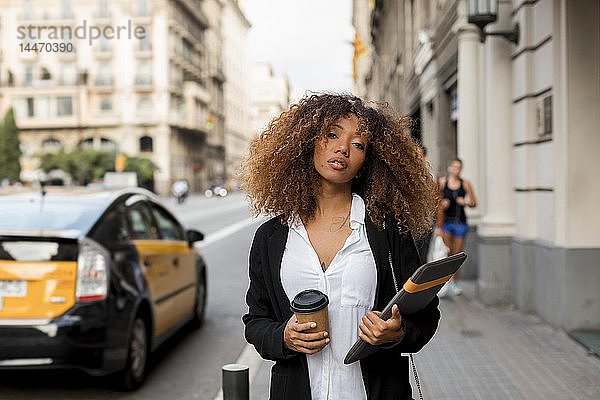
(376,331)
(461,201)
(445,203)
(295,339)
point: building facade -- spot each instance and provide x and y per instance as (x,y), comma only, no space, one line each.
(523,117)
(270,96)
(237,99)
(141,78)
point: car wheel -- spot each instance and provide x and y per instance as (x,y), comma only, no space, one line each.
(200,304)
(132,376)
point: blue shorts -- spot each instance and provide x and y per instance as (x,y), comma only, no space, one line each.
(457,229)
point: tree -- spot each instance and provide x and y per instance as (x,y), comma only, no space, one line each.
(86,165)
(10,149)
(144,168)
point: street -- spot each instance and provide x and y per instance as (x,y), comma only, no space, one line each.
(188,366)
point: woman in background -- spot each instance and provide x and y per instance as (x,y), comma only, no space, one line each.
(452,220)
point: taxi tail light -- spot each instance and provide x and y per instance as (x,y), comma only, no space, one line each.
(92,271)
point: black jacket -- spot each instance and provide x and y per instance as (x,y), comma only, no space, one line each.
(385,373)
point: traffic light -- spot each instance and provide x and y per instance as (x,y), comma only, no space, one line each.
(120,162)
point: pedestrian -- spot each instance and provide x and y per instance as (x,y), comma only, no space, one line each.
(349,189)
(452,220)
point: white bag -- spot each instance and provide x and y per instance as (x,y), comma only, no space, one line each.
(437,250)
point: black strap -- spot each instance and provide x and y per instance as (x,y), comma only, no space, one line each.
(412,362)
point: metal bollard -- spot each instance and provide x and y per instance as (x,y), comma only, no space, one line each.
(236,384)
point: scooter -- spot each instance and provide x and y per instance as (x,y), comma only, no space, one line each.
(180,190)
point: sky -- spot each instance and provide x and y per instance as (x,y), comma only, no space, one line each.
(309,41)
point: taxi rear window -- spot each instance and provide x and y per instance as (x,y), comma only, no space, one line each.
(48,214)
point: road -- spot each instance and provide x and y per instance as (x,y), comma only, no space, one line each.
(189,365)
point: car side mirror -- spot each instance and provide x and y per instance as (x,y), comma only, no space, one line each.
(193,235)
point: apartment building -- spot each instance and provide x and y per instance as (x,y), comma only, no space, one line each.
(140,77)
(270,96)
(523,116)
(236,89)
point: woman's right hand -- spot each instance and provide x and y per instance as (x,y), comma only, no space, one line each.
(445,203)
(295,339)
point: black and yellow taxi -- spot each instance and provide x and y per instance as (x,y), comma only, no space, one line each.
(94,280)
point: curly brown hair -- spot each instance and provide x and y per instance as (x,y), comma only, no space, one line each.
(279,176)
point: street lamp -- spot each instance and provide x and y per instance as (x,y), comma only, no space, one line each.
(483,12)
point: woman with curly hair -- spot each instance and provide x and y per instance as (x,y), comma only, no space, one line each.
(349,189)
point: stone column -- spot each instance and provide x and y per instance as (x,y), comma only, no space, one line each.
(468,102)
(467,140)
(497,226)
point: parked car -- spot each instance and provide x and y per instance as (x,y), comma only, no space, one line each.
(94,280)
(216,190)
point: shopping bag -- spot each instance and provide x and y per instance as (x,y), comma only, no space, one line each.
(437,250)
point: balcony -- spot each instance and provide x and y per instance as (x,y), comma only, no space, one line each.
(143,54)
(102,17)
(191,33)
(103,53)
(67,55)
(217,74)
(47,19)
(184,63)
(194,9)
(143,83)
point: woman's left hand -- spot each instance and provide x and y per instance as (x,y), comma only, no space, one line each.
(376,331)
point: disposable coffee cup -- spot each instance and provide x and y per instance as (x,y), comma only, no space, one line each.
(311,306)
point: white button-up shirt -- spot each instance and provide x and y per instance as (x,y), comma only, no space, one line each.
(349,282)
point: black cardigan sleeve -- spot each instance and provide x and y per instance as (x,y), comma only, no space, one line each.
(421,326)
(263,329)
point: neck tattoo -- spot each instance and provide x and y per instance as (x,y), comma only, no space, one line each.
(336,225)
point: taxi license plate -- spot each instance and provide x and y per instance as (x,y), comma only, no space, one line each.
(13,288)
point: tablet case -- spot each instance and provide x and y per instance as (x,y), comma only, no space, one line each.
(415,294)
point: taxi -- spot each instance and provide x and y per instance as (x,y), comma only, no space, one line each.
(94,280)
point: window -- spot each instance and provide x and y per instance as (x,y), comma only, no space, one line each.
(45,74)
(107,144)
(64,105)
(140,225)
(145,143)
(144,73)
(66,9)
(106,104)
(51,144)
(68,75)
(145,44)
(11,79)
(30,109)
(168,227)
(175,75)
(87,143)
(103,9)
(66,35)
(28,79)
(144,105)
(43,107)
(104,43)
(28,9)
(104,77)
(143,8)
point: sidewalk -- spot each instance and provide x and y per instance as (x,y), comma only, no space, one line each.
(493,353)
